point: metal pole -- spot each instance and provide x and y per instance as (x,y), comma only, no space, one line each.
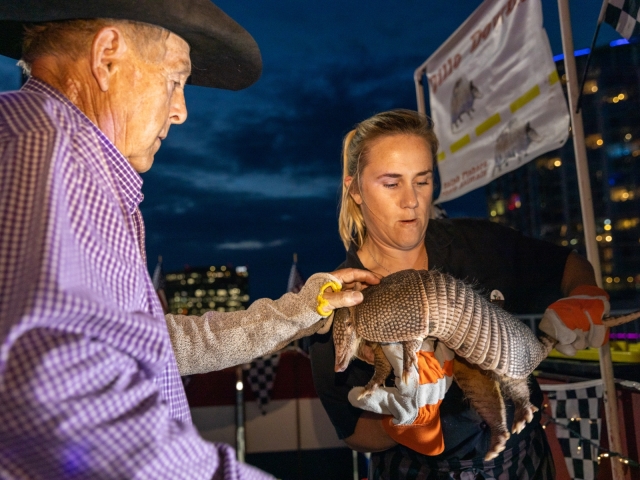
(588,221)
(418,78)
(240,444)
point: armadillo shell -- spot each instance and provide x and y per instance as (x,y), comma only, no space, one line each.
(413,304)
(395,310)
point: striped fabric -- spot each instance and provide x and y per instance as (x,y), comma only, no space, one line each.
(89,385)
(529,460)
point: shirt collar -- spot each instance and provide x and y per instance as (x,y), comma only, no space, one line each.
(128,181)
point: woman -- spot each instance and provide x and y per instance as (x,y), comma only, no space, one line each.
(384,215)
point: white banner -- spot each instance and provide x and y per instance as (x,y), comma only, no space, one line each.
(495,96)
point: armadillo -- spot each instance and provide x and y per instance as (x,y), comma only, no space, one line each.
(411,305)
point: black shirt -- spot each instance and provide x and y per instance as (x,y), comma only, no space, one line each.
(528,273)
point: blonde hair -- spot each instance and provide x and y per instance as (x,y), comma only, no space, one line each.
(72,38)
(355,149)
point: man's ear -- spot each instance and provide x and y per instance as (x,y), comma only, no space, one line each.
(354,192)
(107,50)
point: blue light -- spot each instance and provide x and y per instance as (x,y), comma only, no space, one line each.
(622,41)
(585,51)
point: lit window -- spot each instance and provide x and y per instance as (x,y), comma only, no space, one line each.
(621,194)
(590,86)
(627,223)
(594,140)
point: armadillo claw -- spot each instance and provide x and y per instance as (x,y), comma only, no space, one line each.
(523,416)
(368,390)
(498,444)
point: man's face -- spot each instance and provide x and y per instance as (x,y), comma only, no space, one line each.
(151,98)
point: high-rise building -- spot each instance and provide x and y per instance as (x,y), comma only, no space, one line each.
(541,198)
(195,291)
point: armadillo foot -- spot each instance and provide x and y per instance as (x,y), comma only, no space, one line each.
(368,389)
(522,416)
(498,444)
(409,349)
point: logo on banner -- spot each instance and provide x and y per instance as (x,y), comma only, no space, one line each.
(495,96)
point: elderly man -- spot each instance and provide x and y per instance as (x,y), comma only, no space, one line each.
(89,384)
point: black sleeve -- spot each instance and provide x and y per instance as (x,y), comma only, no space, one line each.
(332,387)
(541,267)
(526,270)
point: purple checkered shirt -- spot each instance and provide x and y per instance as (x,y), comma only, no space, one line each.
(89,386)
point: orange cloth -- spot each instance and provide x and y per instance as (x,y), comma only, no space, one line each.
(424,435)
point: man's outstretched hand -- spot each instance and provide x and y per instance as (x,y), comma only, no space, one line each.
(353,280)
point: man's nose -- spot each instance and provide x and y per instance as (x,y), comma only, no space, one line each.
(178,112)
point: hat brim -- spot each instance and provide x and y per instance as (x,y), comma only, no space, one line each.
(223,54)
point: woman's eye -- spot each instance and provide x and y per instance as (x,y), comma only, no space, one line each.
(390,185)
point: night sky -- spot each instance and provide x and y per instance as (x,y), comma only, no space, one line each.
(254,176)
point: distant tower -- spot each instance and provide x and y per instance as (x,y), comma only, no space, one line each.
(195,291)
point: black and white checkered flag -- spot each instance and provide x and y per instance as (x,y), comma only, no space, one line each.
(623,16)
(262,373)
(575,408)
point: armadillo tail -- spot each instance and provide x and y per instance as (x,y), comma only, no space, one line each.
(620,319)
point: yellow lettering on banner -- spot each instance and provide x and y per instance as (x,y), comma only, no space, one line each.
(490,122)
(455,146)
(441,156)
(524,99)
(553,77)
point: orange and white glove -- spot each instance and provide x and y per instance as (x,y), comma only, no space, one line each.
(413,408)
(576,321)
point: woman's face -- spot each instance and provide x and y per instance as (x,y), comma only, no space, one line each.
(396,187)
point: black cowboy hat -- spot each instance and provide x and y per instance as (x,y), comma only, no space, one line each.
(223,54)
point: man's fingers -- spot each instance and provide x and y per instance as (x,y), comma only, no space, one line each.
(353,275)
(347,298)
